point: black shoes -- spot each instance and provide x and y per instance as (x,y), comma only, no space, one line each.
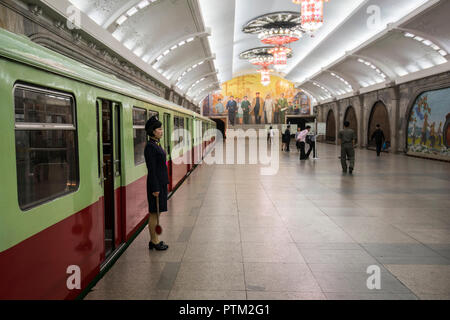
(350,170)
(159,247)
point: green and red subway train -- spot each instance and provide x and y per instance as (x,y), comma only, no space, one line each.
(73,182)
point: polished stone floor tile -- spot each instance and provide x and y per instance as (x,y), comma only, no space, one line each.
(353,282)
(271,252)
(405,254)
(265,234)
(370,296)
(208,234)
(282,295)
(317,233)
(285,277)
(213,252)
(214,276)
(206,295)
(424,280)
(337,256)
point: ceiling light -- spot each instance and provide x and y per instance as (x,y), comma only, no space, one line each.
(443,52)
(121,20)
(182,43)
(174,47)
(418,38)
(427,42)
(132,11)
(434,47)
(143,4)
(190,39)
(166,52)
(409,35)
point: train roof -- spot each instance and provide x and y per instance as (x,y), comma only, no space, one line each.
(21,49)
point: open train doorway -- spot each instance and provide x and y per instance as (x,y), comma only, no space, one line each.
(221,125)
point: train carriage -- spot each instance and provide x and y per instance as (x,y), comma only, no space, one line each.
(73,187)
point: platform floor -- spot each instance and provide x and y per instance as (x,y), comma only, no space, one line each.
(308,232)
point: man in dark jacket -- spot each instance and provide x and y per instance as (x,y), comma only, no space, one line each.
(287,137)
(378,135)
(347,137)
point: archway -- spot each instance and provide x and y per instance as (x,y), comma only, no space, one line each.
(331,127)
(350,116)
(379,115)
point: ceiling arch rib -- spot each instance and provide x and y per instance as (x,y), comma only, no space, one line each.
(154,58)
(383,70)
(177,77)
(128,9)
(208,86)
(324,88)
(347,80)
(198,80)
(426,40)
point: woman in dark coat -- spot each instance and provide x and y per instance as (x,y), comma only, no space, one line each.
(157,179)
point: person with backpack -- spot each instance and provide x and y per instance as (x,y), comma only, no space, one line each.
(378,135)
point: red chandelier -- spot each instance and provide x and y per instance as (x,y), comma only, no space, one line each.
(311,13)
(280,36)
(280,55)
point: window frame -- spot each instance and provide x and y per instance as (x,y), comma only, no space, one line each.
(34,126)
(148,113)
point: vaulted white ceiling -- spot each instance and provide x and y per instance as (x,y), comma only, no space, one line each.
(194,45)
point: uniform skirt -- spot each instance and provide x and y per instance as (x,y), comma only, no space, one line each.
(162,201)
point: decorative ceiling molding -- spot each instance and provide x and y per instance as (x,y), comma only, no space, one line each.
(111,23)
(156,57)
(178,76)
(197,80)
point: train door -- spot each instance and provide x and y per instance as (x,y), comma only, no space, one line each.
(109,157)
(167,146)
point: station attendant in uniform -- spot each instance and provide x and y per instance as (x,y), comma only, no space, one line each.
(157,179)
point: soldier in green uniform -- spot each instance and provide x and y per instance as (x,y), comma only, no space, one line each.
(245,105)
(283,104)
(347,137)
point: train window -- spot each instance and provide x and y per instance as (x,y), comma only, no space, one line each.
(46,145)
(139,134)
(140,117)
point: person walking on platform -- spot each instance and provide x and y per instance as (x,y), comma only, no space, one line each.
(311,140)
(378,135)
(297,141)
(245,105)
(347,137)
(231,107)
(157,179)
(287,138)
(302,142)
